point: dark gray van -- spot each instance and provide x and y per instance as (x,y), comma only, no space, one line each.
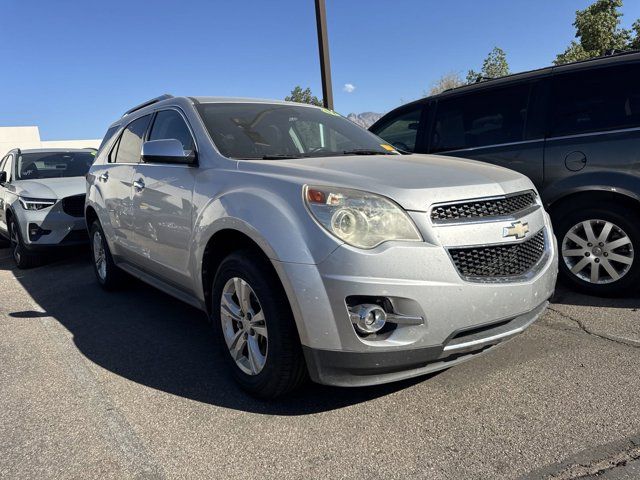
(575,131)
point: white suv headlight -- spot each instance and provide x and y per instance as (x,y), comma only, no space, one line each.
(361,219)
(35,203)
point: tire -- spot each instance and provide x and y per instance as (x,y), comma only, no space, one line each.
(109,276)
(4,242)
(614,253)
(278,358)
(23,258)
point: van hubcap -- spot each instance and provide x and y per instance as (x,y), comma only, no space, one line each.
(597,251)
(99,257)
(244,326)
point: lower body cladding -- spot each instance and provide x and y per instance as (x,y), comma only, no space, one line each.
(434,318)
(42,230)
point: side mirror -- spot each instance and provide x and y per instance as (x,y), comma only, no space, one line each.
(166,151)
(3,178)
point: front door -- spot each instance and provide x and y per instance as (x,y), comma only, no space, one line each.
(162,203)
(5,166)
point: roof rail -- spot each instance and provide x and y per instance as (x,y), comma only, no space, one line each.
(147,103)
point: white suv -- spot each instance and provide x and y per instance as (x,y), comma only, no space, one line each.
(42,201)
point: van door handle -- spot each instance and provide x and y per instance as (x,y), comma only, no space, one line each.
(104,177)
(138,185)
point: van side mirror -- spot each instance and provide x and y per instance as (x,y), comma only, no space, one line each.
(167,151)
(3,178)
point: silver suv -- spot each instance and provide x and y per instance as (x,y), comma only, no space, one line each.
(42,201)
(315,247)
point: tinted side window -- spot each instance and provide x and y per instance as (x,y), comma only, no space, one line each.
(129,145)
(107,136)
(169,124)
(489,117)
(595,100)
(401,131)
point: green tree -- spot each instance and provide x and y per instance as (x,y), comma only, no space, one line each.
(494,66)
(303,96)
(445,82)
(598,32)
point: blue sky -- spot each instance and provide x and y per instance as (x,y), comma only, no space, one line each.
(72,67)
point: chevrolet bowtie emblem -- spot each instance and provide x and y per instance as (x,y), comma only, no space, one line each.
(517,229)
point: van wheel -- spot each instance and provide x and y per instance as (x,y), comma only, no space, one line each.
(109,276)
(23,258)
(255,327)
(598,249)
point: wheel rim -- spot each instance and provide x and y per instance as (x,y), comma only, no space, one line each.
(99,257)
(15,243)
(597,251)
(243,326)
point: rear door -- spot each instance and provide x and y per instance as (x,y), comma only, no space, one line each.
(594,126)
(162,204)
(490,125)
(115,182)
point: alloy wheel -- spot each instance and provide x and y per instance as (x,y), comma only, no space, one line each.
(597,251)
(15,243)
(243,326)
(99,256)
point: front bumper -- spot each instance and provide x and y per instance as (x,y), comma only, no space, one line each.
(420,280)
(351,369)
(64,230)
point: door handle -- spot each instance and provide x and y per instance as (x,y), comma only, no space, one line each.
(138,185)
(104,177)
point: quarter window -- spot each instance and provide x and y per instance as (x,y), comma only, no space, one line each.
(129,147)
(169,124)
(595,100)
(479,119)
(402,131)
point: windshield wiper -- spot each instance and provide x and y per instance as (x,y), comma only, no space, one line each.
(280,156)
(365,151)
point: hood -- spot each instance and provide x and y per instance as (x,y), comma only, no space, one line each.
(413,181)
(50,188)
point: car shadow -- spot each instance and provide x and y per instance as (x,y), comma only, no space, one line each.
(565,296)
(150,338)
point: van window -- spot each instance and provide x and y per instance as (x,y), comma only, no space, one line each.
(129,146)
(402,130)
(489,117)
(595,100)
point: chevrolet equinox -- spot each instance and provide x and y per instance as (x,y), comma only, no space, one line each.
(315,247)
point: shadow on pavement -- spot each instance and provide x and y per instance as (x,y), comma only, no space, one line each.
(150,338)
(565,296)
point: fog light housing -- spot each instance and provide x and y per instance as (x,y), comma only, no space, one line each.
(368,318)
(35,232)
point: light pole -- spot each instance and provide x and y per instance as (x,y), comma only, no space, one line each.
(323,48)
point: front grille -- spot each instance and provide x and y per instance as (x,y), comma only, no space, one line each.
(499,261)
(496,207)
(74,206)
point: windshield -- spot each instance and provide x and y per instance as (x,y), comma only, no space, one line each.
(34,166)
(252,131)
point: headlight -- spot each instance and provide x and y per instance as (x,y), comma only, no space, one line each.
(361,219)
(35,203)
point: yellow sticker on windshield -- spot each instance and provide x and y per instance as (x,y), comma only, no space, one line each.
(387,147)
(330,112)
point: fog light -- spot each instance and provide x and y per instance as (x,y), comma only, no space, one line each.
(368,318)
(35,232)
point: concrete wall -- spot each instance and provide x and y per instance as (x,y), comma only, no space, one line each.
(29,137)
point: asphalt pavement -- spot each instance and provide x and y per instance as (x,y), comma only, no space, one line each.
(127,385)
